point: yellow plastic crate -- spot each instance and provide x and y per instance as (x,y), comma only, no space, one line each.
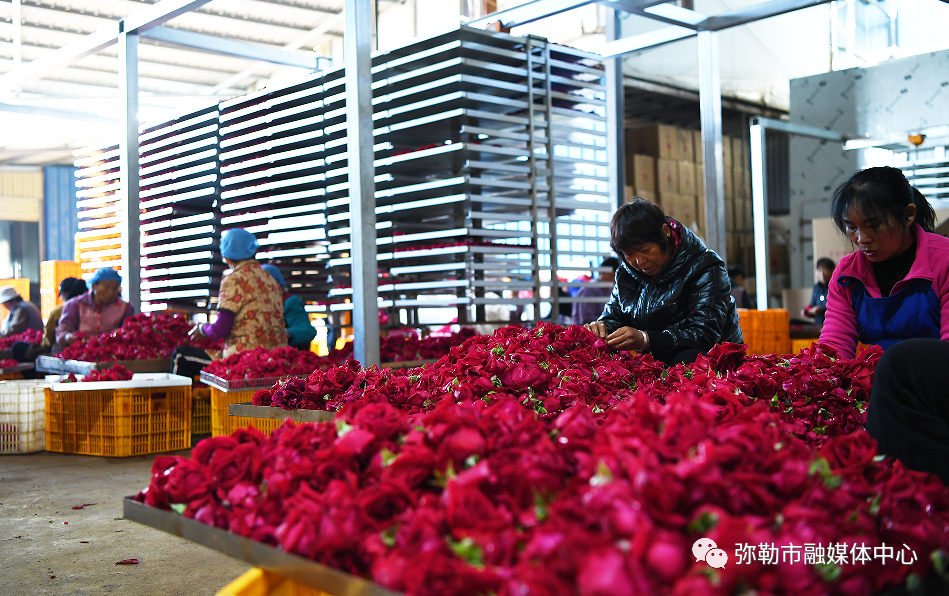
(51,274)
(801,344)
(257,582)
(222,423)
(200,410)
(118,422)
(766,331)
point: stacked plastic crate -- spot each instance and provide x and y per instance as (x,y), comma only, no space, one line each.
(179,188)
(273,171)
(481,140)
(98,241)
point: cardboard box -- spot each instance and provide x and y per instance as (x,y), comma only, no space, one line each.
(641,172)
(697,144)
(730,217)
(645,194)
(738,152)
(667,176)
(738,183)
(687,178)
(727,151)
(679,207)
(700,181)
(686,145)
(658,140)
(729,184)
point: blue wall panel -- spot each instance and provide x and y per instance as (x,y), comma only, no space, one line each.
(62,215)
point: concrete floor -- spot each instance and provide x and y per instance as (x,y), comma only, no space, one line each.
(41,536)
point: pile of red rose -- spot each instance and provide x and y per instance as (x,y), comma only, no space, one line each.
(144,336)
(116,372)
(577,471)
(7,363)
(31,336)
(260,363)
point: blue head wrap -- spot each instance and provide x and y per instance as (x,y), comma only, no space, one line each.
(274,273)
(105,274)
(238,244)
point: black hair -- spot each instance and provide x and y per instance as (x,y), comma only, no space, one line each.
(611,262)
(636,223)
(826,263)
(71,287)
(881,193)
(736,270)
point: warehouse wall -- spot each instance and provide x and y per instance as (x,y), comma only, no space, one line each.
(900,95)
(61,213)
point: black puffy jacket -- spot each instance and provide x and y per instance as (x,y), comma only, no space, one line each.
(687,306)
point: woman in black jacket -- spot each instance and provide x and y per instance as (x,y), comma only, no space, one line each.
(672,296)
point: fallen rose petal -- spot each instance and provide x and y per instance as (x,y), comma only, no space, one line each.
(127,562)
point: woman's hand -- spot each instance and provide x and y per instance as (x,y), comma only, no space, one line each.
(626,338)
(597,328)
(68,339)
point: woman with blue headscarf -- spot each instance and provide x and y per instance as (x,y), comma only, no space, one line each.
(98,311)
(249,308)
(300,330)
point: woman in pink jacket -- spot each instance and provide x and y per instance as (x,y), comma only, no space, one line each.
(895,287)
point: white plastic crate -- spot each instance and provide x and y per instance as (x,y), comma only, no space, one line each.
(22,416)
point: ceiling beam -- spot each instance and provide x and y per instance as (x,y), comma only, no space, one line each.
(756,12)
(51,113)
(230,47)
(143,20)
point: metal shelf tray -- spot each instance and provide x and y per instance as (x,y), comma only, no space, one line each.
(272,413)
(288,565)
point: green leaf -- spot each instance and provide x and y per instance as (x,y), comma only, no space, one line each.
(913,582)
(540,507)
(467,550)
(828,572)
(497,351)
(387,457)
(879,458)
(940,563)
(822,467)
(603,475)
(415,379)
(388,536)
(598,409)
(874,508)
(179,508)
(342,428)
(545,365)
(497,381)
(703,523)
(471,461)
(442,479)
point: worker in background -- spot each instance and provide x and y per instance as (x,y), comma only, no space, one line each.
(300,332)
(585,312)
(736,276)
(815,310)
(672,295)
(23,351)
(249,308)
(896,285)
(98,311)
(21,314)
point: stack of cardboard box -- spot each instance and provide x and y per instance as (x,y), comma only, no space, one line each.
(664,164)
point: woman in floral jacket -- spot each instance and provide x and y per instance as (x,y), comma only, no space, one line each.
(249,309)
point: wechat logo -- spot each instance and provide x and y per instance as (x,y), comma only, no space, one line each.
(706,550)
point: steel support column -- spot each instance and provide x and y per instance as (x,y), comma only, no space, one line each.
(615,117)
(710,109)
(759,210)
(362,201)
(128,167)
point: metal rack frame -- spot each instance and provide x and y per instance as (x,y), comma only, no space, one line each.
(682,22)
